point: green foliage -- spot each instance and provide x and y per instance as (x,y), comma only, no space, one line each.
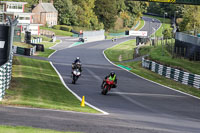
(86,16)
(161,8)
(66,12)
(167,33)
(135,10)
(106,12)
(56,27)
(191,21)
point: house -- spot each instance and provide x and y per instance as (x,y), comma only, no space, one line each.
(16,9)
(45,13)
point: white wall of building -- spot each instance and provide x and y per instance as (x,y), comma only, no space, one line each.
(34,29)
(13,7)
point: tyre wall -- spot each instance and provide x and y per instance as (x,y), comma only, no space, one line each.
(172,73)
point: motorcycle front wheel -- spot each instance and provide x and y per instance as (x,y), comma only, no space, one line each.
(74,79)
(105,90)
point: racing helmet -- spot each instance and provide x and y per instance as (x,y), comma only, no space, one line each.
(112,74)
(77,58)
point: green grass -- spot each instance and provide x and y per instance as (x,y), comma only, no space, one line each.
(165,24)
(22,129)
(139,70)
(181,63)
(156,54)
(22,44)
(125,50)
(44,38)
(58,32)
(47,51)
(36,84)
(140,25)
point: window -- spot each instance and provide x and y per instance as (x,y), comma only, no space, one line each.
(20,6)
(1,17)
(1,7)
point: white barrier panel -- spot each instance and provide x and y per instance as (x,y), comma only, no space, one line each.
(137,33)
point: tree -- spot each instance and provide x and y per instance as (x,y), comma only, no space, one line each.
(191,21)
(86,15)
(106,11)
(66,12)
(135,10)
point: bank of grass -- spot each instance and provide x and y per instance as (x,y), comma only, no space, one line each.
(22,129)
(140,25)
(36,84)
(166,24)
(22,44)
(139,70)
(58,32)
(44,38)
(167,59)
(47,51)
(156,54)
(121,52)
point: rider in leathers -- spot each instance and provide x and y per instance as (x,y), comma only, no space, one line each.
(112,76)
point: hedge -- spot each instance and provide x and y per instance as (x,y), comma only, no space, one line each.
(62,27)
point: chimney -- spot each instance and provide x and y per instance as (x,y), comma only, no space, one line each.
(51,1)
(40,1)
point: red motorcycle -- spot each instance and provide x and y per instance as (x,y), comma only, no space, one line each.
(107,86)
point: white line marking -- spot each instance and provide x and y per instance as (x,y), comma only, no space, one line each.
(147,79)
(52,54)
(54,110)
(145,94)
(79,98)
(55,44)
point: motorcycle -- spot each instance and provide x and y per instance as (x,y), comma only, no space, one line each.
(107,86)
(75,75)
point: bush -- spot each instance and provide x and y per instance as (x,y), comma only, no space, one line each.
(66,28)
(62,27)
(57,27)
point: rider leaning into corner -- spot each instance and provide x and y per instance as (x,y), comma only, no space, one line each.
(77,64)
(112,76)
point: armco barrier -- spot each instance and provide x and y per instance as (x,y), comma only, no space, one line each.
(5,77)
(172,73)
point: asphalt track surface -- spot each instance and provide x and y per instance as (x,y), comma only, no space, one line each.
(135,106)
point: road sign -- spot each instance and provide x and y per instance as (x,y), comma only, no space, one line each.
(137,33)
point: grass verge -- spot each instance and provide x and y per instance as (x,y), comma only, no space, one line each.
(140,25)
(121,52)
(36,84)
(139,70)
(58,32)
(22,44)
(22,129)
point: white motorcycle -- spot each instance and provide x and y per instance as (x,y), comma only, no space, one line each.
(75,75)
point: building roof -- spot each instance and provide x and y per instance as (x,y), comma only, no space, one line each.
(48,7)
(13,2)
